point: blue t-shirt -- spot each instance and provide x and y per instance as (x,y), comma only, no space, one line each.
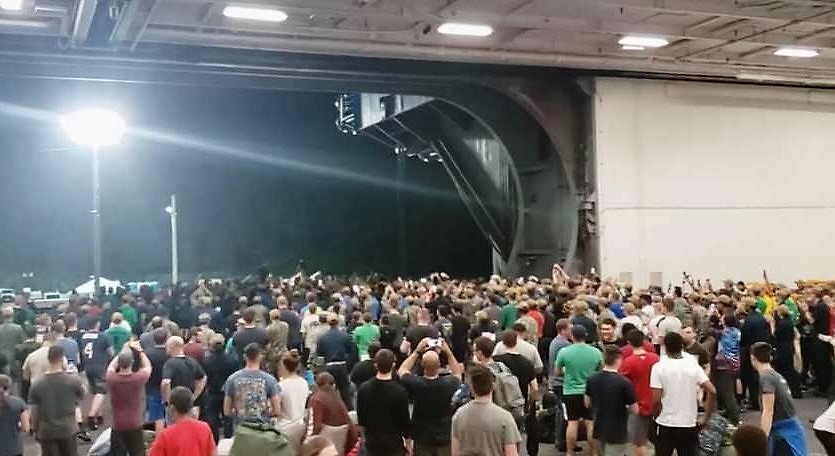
(250,391)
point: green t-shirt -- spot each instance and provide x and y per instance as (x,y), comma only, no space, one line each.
(119,335)
(130,314)
(578,362)
(23,316)
(509,315)
(364,335)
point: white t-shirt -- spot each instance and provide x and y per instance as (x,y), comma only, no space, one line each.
(680,380)
(524,348)
(294,392)
(826,422)
(666,324)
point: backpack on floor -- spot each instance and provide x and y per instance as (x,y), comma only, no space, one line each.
(260,439)
(713,435)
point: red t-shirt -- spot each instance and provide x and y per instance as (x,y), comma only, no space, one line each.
(127,399)
(637,369)
(185,437)
(195,350)
(540,320)
(627,349)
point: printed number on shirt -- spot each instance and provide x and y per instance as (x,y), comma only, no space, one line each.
(88,350)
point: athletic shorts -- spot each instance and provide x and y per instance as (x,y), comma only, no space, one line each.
(154,406)
(575,407)
(97,383)
(640,428)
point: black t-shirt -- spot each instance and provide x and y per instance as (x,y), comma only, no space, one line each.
(218,367)
(246,336)
(415,334)
(383,412)
(589,324)
(388,337)
(521,368)
(96,350)
(157,356)
(363,372)
(294,325)
(183,371)
(610,395)
(432,414)
(458,341)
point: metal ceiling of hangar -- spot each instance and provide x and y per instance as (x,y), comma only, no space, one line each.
(707,37)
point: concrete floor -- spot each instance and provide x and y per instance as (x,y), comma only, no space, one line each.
(808,409)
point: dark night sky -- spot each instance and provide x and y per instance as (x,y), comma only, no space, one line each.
(234,212)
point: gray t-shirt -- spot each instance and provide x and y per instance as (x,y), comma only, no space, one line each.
(9,430)
(10,335)
(774,383)
(250,391)
(70,347)
(56,396)
(484,428)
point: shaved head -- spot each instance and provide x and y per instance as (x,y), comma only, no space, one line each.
(431,363)
(174,346)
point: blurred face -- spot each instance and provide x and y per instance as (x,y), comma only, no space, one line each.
(607,332)
(688,335)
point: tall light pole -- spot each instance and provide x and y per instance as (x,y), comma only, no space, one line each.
(95,128)
(175,260)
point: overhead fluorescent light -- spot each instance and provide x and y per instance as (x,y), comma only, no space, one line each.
(803,53)
(254,14)
(643,41)
(11,5)
(462,29)
(633,48)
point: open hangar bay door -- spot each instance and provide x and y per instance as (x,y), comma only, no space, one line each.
(514,141)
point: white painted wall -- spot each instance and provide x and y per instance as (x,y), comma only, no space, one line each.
(721,181)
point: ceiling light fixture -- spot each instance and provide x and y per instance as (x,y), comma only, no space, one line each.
(643,41)
(462,29)
(633,48)
(803,53)
(254,14)
(11,5)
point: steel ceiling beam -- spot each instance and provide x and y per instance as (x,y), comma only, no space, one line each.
(746,38)
(84,12)
(563,25)
(726,9)
(132,22)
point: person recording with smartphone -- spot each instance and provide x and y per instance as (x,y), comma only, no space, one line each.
(431,394)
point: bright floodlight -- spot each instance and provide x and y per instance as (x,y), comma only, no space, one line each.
(804,53)
(643,41)
(255,14)
(11,5)
(94,127)
(169,209)
(633,48)
(461,29)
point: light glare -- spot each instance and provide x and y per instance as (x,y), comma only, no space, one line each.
(462,29)
(11,5)
(94,127)
(803,53)
(633,48)
(255,14)
(643,41)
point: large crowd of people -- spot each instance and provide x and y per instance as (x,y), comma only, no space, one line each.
(434,367)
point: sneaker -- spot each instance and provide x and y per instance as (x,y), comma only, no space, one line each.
(84,436)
